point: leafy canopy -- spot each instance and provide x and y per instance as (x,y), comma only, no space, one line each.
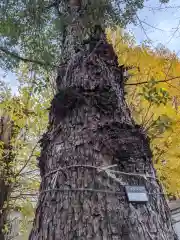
(35,29)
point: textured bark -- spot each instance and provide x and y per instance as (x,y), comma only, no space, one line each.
(4,192)
(90,125)
(5,136)
(3,198)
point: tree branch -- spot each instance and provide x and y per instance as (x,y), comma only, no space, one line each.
(25,195)
(16,56)
(28,160)
(164,80)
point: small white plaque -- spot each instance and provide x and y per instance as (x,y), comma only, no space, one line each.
(136,193)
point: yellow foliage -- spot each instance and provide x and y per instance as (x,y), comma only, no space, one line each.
(160,65)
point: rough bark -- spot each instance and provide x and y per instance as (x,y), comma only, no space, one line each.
(5,171)
(90,126)
(3,214)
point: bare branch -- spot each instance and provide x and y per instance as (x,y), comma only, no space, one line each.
(164,80)
(25,195)
(162,30)
(16,56)
(174,33)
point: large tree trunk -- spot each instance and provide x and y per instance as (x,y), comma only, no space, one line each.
(90,127)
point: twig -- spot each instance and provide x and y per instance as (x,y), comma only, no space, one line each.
(148,38)
(148,121)
(146,114)
(174,33)
(162,30)
(29,158)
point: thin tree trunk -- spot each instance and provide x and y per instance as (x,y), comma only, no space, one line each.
(4,190)
(90,127)
(5,170)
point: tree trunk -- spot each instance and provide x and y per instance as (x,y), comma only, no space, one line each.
(90,127)
(5,170)
(4,192)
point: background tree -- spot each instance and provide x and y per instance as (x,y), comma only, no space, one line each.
(27,113)
(6,128)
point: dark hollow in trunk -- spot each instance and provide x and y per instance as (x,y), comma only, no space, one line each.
(90,127)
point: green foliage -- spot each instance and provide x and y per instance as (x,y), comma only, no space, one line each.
(35,29)
(153,94)
(27,209)
(160,125)
(27,29)
(5,91)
